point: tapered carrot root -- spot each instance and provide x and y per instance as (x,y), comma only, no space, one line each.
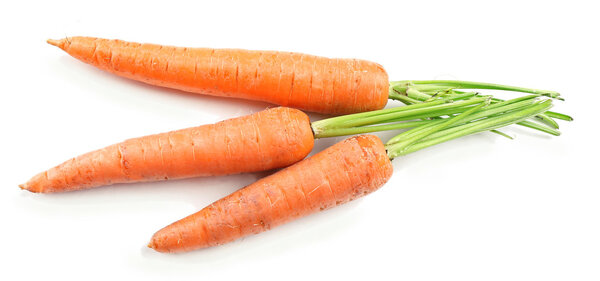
(312,83)
(342,172)
(265,140)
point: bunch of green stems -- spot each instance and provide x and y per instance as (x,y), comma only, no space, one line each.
(437,111)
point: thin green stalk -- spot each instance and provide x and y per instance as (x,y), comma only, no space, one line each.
(491,110)
(487,124)
(416,94)
(431,101)
(542,117)
(547,120)
(539,127)
(336,132)
(337,121)
(492,114)
(409,113)
(502,134)
(459,95)
(547,116)
(559,116)
(457,84)
(416,134)
(402,98)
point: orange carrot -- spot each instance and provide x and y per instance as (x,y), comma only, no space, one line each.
(318,84)
(338,174)
(265,140)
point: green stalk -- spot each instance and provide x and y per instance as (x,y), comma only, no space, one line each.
(456,84)
(416,134)
(416,94)
(539,127)
(559,116)
(495,113)
(338,128)
(502,134)
(432,100)
(337,121)
(421,96)
(491,110)
(402,98)
(337,132)
(398,149)
(429,111)
(547,120)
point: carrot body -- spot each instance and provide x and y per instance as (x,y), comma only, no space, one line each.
(265,140)
(338,174)
(312,83)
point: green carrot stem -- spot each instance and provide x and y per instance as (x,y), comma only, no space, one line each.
(472,85)
(491,110)
(559,116)
(487,124)
(336,132)
(460,95)
(430,111)
(416,134)
(494,113)
(539,127)
(402,98)
(431,101)
(501,133)
(547,120)
(337,121)
(417,95)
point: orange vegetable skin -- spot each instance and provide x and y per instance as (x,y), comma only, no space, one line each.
(341,173)
(269,139)
(312,83)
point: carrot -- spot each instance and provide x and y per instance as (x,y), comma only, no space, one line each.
(265,140)
(338,174)
(290,79)
(307,82)
(345,171)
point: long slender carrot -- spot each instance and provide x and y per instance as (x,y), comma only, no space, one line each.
(338,174)
(342,172)
(265,140)
(307,82)
(290,79)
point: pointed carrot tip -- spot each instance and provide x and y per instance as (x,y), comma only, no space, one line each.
(61,43)
(27,187)
(151,245)
(53,42)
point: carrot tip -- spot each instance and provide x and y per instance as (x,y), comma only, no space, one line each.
(28,188)
(54,42)
(151,245)
(62,43)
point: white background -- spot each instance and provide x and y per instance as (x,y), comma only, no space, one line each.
(480,208)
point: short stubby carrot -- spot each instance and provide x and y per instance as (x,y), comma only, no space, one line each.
(338,174)
(345,171)
(269,139)
(312,83)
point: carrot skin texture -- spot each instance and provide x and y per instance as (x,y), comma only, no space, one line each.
(340,173)
(273,138)
(312,83)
